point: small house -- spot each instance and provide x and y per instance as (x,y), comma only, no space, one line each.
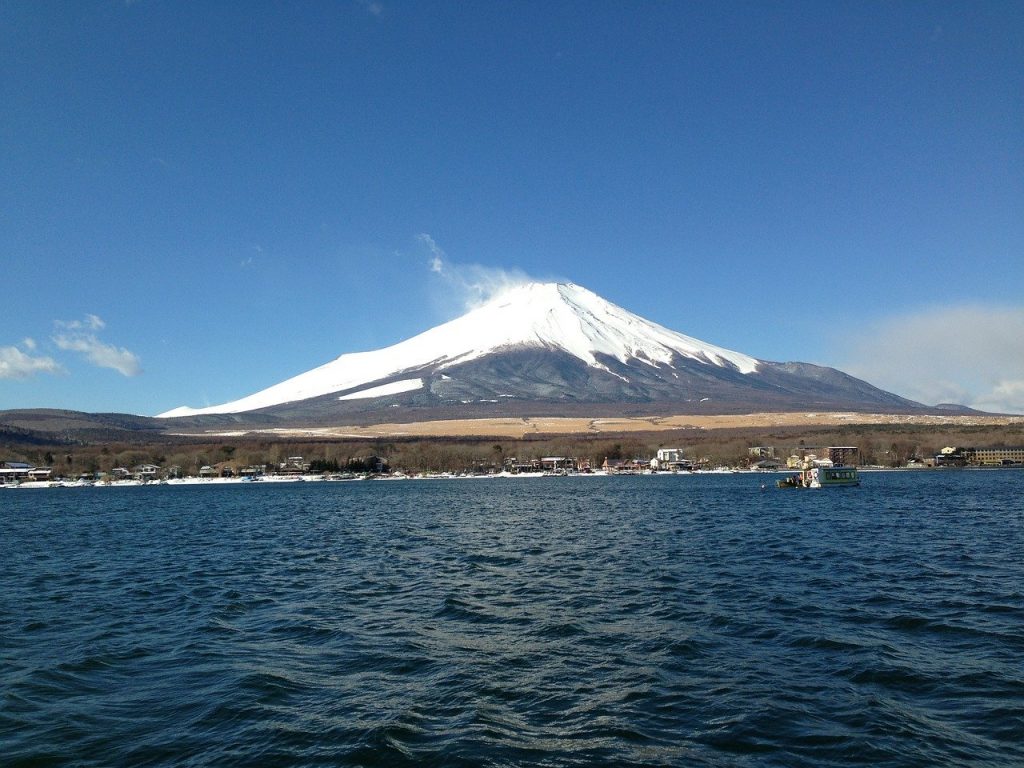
(146,472)
(13,472)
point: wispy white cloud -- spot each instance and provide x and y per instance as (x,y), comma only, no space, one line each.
(372,7)
(968,354)
(256,251)
(437,256)
(80,336)
(90,323)
(471,284)
(16,364)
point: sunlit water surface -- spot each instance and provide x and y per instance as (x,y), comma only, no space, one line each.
(677,620)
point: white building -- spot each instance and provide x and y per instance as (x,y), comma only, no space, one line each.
(670,459)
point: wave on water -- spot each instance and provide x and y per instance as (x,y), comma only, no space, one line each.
(625,621)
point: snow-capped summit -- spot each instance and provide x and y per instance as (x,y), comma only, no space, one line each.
(552,342)
(569,317)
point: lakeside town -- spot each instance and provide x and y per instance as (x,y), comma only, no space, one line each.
(22,474)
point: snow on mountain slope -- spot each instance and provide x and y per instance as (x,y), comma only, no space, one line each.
(560,316)
(393,388)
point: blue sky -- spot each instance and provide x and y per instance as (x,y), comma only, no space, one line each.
(202,199)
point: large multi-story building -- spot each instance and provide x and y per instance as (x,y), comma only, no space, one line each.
(848,455)
(980,457)
(998,457)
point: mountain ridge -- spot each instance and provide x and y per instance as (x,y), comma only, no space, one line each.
(544,346)
(559,316)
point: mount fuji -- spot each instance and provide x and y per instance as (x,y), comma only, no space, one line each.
(550,348)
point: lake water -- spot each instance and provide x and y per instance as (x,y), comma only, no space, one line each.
(670,620)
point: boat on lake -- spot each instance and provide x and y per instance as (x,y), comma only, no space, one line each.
(821,475)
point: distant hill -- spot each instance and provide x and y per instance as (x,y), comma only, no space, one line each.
(39,426)
(957,409)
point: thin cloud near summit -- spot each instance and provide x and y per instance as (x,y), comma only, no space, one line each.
(472,284)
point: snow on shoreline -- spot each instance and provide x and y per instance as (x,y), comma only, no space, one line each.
(279,479)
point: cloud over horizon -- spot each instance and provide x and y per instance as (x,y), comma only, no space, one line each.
(968,354)
(81,336)
(16,364)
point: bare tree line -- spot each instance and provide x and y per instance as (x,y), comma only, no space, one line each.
(886,445)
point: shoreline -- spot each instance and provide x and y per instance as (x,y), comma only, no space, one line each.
(286,479)
(291,479)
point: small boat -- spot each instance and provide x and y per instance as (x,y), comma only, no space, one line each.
(821,476)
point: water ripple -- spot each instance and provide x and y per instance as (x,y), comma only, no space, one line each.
(630,621)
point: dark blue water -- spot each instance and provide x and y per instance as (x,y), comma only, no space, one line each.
(690,620)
